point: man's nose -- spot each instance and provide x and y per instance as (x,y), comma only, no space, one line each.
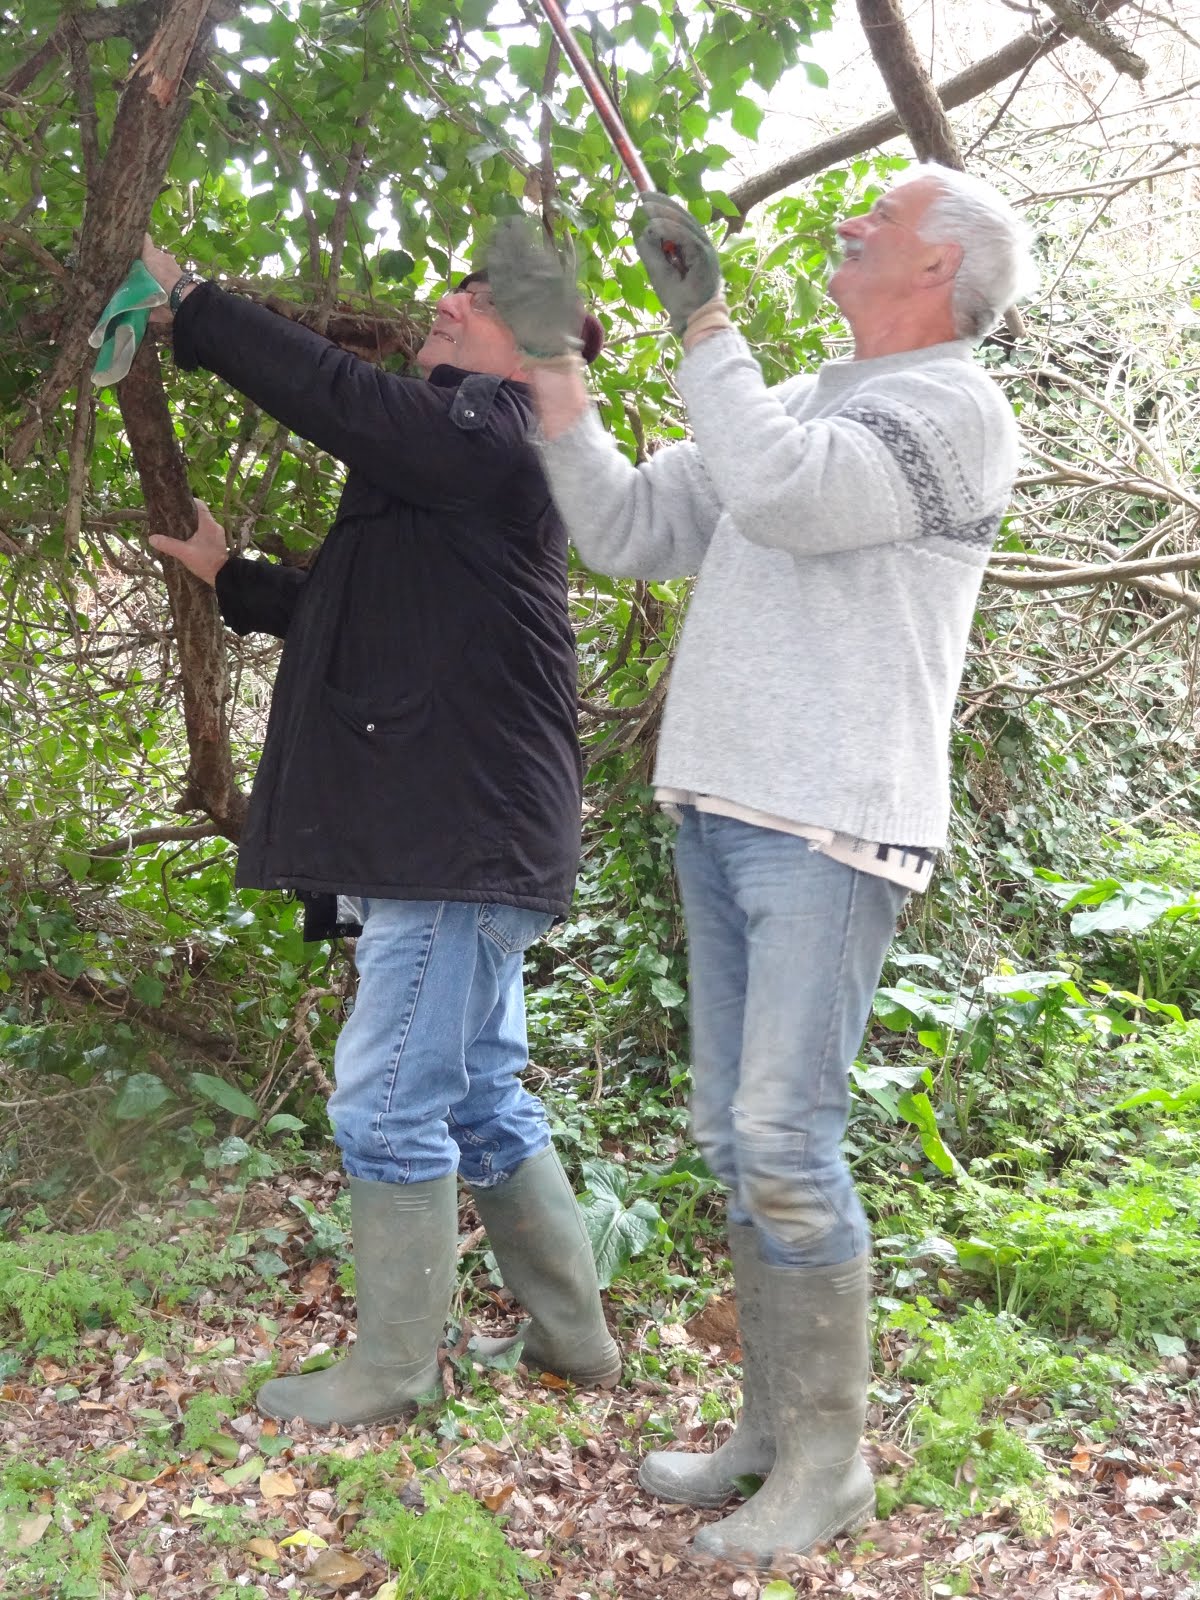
(451,305)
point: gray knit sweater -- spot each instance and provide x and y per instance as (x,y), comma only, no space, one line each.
(840,526)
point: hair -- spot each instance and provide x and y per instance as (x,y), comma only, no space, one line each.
(997,266)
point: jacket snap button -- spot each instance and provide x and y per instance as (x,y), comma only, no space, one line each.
(370,727)
(469,415)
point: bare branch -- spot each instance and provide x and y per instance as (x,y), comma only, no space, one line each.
(1098,36)
(965,86)
(141,836)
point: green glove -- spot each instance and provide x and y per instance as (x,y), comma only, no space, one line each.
(534,290)
(123,323)
(679,257)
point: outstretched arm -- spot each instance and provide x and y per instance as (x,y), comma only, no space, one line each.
(254,596)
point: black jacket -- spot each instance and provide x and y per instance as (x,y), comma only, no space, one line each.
(422,738)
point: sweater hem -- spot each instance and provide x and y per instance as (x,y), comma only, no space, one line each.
(922,829)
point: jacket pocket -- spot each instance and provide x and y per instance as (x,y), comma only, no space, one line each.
(377,719)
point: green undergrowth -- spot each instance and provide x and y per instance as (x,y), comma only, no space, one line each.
(990,1397)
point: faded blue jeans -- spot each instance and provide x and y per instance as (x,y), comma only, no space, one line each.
(785,950)
(428,1065)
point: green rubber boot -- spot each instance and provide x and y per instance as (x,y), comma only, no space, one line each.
(815,1341)
(545,1257)
(405,1255)
(691,1479)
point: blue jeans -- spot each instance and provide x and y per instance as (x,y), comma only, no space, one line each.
(785,950)
(428,1065)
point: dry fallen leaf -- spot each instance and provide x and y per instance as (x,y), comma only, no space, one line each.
(500,1497)
(336,1569)
(130,1508)
(30,1531)
(277,1485)
(1062,1519)
(267,1549)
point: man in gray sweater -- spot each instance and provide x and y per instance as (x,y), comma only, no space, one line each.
(839,526)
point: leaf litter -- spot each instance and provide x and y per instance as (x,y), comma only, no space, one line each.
(250,1510)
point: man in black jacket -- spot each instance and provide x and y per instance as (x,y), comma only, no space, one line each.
(421,759)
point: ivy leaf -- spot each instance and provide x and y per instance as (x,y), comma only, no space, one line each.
(147,989)
(223,1094)
(284,1122)
(618,1231)
(667,992)
(141,1093)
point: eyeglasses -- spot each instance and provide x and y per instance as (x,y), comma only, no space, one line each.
(482,299)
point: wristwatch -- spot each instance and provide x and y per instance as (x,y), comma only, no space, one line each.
(184,280)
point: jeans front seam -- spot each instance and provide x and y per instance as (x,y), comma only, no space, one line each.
(835,1010)
(394,1063)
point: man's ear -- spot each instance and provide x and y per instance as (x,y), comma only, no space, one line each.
(943,268)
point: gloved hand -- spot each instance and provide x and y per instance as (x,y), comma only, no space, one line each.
(534,290)
(679,257)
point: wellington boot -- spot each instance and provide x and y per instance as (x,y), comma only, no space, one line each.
(405,1238)
(693,1479)
(815,1342)
(545,1257)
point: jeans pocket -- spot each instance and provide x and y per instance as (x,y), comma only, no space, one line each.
(512,928)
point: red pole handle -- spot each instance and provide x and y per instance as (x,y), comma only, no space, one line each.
(599,97)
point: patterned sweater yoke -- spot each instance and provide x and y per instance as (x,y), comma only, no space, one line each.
(839,526)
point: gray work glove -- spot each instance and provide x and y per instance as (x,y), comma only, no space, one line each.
(680,259)
(534,290)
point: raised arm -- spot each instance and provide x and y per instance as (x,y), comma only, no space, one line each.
(399,432)
(651,521)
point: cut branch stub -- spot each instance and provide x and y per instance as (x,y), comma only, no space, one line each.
(1093,31)
(211,786)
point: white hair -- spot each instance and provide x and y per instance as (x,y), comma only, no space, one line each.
(997,266)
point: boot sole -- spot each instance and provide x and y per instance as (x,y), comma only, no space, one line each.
(752,1562)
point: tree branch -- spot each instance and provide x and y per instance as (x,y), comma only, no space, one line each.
(965,86)
(140,836)
(1098,36)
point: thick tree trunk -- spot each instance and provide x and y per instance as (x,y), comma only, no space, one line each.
(198,632)
(909,85)
(144,133)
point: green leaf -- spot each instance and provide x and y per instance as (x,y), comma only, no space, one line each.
(667,992)
(141,1093)
(746,117)
(915,1108)
(147,989)
(617,1232)
(223,1094)
(284,1122)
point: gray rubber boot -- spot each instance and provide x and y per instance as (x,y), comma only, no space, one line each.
(545,1258)
(691,1479)
(405,1256)
(815,1339)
